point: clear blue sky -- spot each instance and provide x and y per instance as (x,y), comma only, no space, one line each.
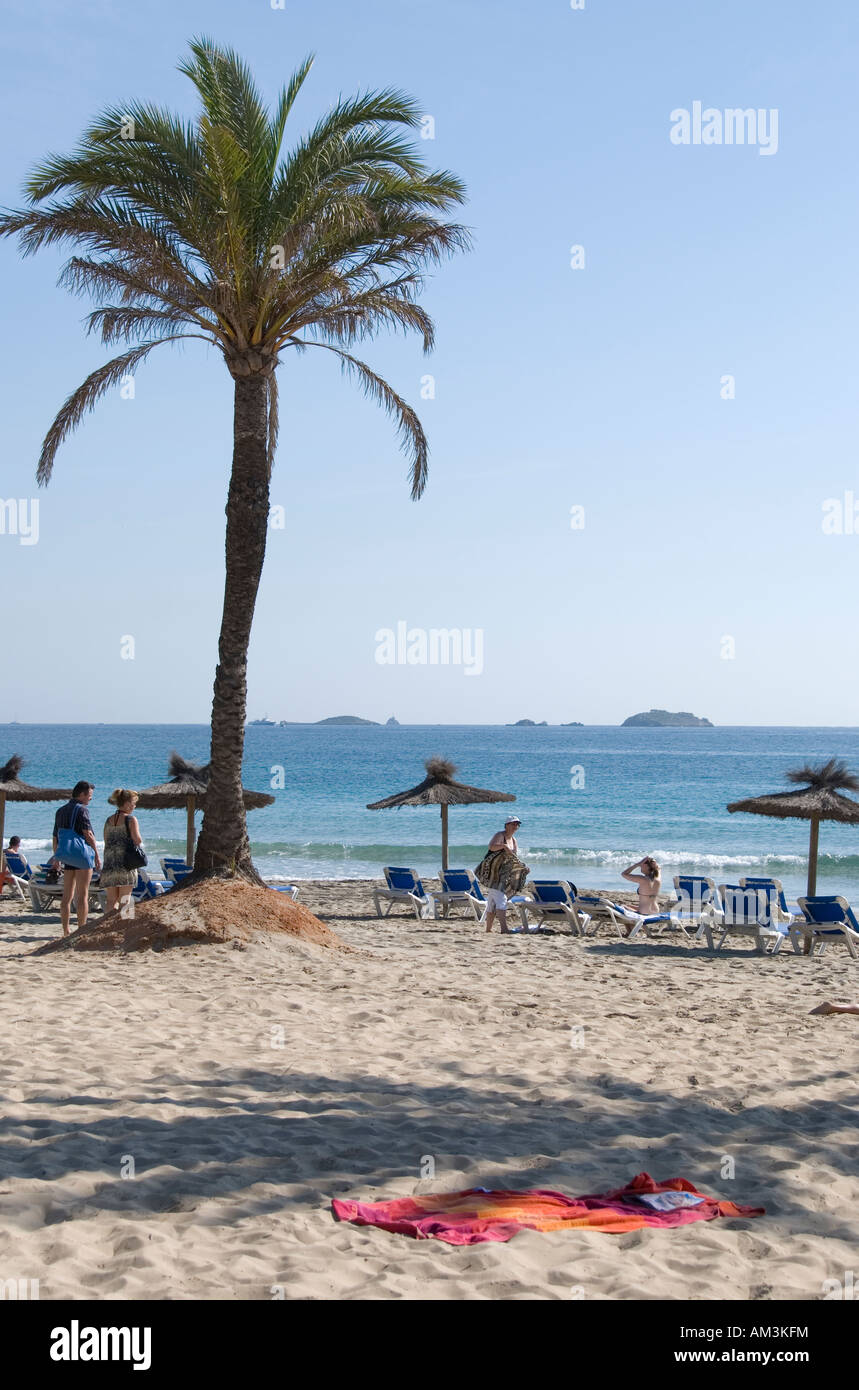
(554,387)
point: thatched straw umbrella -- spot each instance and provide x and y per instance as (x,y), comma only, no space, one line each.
(188,786)
(13,789)
(819,799)
(439,789)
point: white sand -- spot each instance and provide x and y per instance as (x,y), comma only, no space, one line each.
(432,1041)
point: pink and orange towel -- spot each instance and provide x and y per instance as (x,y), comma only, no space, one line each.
(477,1215)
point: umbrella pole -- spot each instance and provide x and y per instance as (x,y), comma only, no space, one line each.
(812,856)
(444,863)
(190,834)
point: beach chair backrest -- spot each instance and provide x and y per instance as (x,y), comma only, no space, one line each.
(574,892)
(475,889)
(404,881)
(461,881)
(15,864)
(695,892)
(552,891)
(769,885)
(825,910)
(171,863)
(746,906)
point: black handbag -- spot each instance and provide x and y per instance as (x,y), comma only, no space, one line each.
(134,858)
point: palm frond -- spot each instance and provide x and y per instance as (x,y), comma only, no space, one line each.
(285,103)
(125,323)
(409,427)
(86,396)
(362,315)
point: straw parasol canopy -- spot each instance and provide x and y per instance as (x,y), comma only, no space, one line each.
(13,789)
(439,789)
(819,799)
(188,785)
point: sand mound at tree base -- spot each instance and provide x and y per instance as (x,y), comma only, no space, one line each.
(212,912)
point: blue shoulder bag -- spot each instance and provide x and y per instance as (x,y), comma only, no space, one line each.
(72,849)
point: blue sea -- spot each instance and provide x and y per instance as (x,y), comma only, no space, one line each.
(591,800)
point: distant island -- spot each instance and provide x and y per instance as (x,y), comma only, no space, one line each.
(337,719)
(392,723)
(664,719)
(347,719)
(573,724)
(527,724)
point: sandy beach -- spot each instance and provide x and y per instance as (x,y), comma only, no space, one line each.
(175,1124)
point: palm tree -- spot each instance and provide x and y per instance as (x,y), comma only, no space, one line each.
(209,230)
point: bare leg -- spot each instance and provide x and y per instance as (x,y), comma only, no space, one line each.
(82,882)
(502,918)
(827,1008)
(69,877)
(490,917)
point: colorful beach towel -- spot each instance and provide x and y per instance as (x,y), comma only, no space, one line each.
(502,870)
(478,1214)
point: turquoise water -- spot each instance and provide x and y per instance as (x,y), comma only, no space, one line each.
(646,791)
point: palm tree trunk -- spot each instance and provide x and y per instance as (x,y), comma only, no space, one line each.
(223,847)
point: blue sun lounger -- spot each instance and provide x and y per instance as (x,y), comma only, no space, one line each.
(698,904)
(18,866)
(825,921)
(460,886)
(175,868)
(148,887)
(552,900)
(403,886)
(790,912)
(19,871)
(751,912)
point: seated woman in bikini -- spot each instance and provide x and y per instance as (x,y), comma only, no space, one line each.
(649,884)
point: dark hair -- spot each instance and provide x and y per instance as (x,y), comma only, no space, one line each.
(80,788)
(14,840)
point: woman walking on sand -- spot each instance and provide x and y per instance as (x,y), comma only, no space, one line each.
(120,829)
(501,873)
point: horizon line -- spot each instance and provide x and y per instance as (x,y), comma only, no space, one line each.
(372,724)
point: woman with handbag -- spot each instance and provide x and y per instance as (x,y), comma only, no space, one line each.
(76,850)
(123,854)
